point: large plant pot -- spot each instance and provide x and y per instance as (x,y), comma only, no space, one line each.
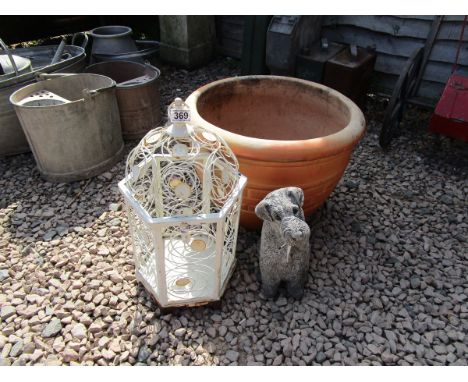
(284,132)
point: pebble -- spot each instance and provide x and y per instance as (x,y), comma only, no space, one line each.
(103,250)
(143,354)
(415,282)
(62,230)
(114,222)
(180,332)
(49,235)
(388,358)
(4,274)
(222,330)
(70,355)
(287,350)
(211,332)
(320,357)
(6,350)
(115,207)
(79,331)
(7,311)
(329,333)
(232,355)
(17,349)
(4,361)
(282,301)
(52,328)
(278,360)
(29,348)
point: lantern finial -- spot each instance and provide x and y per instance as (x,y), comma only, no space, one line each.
(179,116)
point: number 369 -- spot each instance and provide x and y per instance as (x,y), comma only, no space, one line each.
(180,115)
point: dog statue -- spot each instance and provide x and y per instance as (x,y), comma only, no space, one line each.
(284,246)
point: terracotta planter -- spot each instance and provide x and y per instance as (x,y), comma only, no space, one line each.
(284,131)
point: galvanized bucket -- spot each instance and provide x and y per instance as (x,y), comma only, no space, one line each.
(12,139)
(12,65)
(72,125)
(137,94)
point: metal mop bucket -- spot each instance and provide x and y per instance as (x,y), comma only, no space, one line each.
(137,94)
(72,124)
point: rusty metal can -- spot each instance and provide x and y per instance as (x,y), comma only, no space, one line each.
(137,92)
(350,72)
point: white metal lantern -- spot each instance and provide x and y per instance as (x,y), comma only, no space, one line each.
(183,192)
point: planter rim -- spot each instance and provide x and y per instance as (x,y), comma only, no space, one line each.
(288,150)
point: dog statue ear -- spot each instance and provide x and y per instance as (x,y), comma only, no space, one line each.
(263,210)
(296,195)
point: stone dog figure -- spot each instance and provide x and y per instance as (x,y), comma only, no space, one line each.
(284,245)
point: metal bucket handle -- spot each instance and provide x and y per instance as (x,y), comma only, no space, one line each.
(39,76)
(84,44)
(13,63)
(87,94)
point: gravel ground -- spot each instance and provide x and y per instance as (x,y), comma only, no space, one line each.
(387,282)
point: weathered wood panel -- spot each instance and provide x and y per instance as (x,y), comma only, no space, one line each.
(435,71)
(442,51)
(388,81)
(394,38)
(230,34)
(448,18)
(396,26)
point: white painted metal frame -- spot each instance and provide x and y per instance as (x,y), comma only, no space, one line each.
(183,192)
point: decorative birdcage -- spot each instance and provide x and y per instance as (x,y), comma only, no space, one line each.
(183,193)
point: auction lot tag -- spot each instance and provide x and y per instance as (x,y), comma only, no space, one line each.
(179,115)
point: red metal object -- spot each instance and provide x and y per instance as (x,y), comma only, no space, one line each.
(451,114)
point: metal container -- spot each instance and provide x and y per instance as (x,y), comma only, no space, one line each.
(451,113)
(112,40)
(137,94)
(286,36)
(350,73)
(11,65)
(72,125)
(8,69)
(12,138)
(311,65)
(147,51)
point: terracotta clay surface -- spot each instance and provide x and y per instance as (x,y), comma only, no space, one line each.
(284,132)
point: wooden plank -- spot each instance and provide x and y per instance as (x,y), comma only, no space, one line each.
(229,31)
(435,71)
(230,35)
(384,83)
(448,18)
(236,20)
(429,44)
(397,26)
(230,48)
(443,51)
